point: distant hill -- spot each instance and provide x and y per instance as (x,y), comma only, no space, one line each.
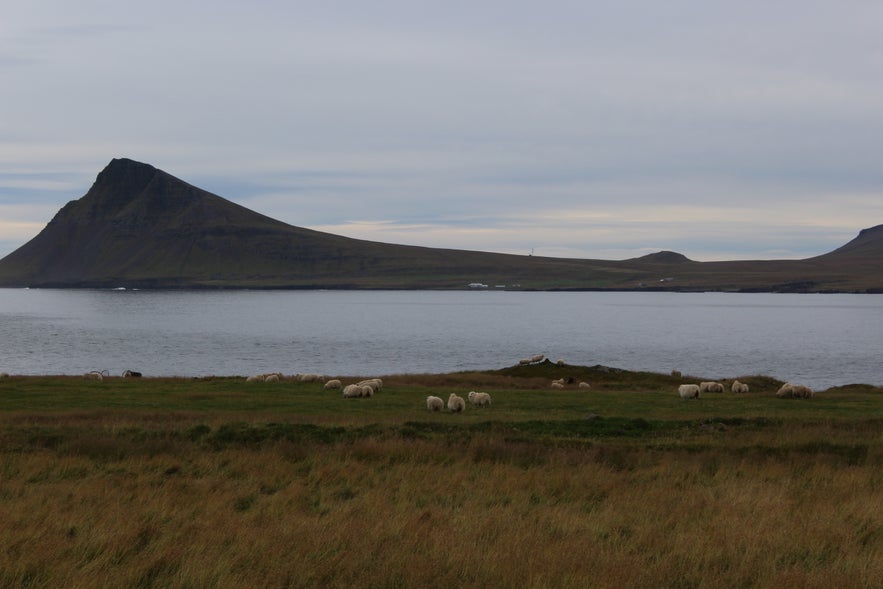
(139,227)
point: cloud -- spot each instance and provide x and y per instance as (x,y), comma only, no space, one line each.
(575,128)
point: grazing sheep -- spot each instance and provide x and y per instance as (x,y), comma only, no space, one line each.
(333,385)
(375,383)
(689,391)
(309,377)
(584,385)
(434,403)
(94,375)
(739,387)
(255,378)
(352,391)
(537,358)
(479,399)
(711,387)
(274,377)
(794,391)
(556,384)
(456,404)
(131,374)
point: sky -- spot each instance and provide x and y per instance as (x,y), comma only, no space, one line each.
(587,129)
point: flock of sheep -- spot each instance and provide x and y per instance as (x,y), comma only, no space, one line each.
(786,391)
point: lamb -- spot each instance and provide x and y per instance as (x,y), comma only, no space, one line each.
(689,391)
(556,384)
(94,375)
(739,387)
(584,385)
(333,385)
(456,404)
(479,399)
(273,377)
(434,403)
(537,358)
(711,387)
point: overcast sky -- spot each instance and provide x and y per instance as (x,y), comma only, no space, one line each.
(721,130)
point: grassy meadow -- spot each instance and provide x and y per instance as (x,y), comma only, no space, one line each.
(215,482)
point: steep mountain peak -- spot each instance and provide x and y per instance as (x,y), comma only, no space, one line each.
(120,182)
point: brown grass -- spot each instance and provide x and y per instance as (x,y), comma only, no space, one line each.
(161,498)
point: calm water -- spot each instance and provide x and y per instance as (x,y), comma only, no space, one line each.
(819,340)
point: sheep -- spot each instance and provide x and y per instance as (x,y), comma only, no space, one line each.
(794,391)
(375,383)
(689,391)
(711,387)
(255,378)
(537,358)
(434,403)
(739,387)
(332,385)
(274,377)
(556,385)
(560,362)
(309,377)
(584,385)
(131,374)
(352,391)
(456,404)
(94,375)
(479,399)
(524,361)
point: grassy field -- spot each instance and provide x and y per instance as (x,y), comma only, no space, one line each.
(222,483)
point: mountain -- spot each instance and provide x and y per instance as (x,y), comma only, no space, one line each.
(139,227)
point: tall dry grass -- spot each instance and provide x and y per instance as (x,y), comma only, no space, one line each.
(100,505)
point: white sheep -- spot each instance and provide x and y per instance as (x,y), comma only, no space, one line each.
(711,387)
(524,361)
(375,383)
(255,378)
(352,391)
(333,385)
(273,377)
(556,384)
(94,375)
(479,399)
(537,358)
(309,377)
(689,391)
(584,385)
(434,403)
(456,404)
(739,387)
(794,391)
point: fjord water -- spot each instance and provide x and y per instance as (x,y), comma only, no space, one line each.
(821,340)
